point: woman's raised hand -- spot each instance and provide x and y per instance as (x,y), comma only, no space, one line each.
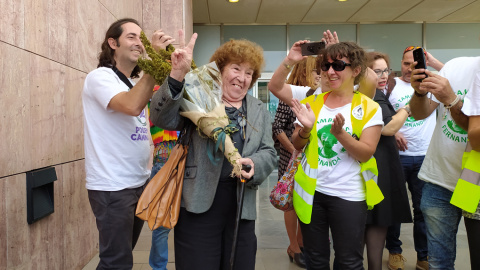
(295,54)
(304,113)
(182,57)
(330,38)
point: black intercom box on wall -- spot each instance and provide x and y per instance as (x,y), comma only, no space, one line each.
(40,201)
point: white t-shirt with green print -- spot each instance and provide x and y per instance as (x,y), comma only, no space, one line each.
(471,103)
(443,163)
(338,172)
(417,133)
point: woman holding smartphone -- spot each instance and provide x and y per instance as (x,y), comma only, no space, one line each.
(330,192)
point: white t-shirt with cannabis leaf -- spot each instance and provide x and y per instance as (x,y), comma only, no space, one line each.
(338,172)
(417,132)
(443,163)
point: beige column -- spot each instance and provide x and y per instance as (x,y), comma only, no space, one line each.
(169,15)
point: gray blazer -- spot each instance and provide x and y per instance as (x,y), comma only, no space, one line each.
(201,176)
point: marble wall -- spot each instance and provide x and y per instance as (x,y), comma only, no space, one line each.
(47,47)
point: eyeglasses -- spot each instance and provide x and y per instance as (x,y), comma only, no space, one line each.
(337,65)
(379,72)
(411,48)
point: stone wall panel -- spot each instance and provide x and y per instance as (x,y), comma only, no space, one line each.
(73,147)
(18,242)
(3,226)
(80,234)
(15,129)
(12,22)
(47,112)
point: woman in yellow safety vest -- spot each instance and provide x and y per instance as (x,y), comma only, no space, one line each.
(335,183)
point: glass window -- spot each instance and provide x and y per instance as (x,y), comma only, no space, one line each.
(268,98)
(345,32)
(449,40)
(207,42)
(391,39)
(272,38)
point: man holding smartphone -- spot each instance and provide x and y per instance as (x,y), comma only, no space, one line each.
(443,162)
(413,140)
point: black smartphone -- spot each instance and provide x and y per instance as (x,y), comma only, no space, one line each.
(419,57)
(312,48)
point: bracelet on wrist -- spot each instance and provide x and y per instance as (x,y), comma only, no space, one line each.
(287,66)
(449,106)
(300,135)
(418,94)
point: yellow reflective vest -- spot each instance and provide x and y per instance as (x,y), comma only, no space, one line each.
(467,191)
(363,109)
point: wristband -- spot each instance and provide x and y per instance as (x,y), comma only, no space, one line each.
(449,106)
(299,135)
(287,66)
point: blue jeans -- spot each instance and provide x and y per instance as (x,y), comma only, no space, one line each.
(411,166)
(159,252)
(441,220)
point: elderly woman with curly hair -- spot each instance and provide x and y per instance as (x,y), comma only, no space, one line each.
(204,232)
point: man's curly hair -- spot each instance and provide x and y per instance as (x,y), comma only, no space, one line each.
(240,51)
(106,56)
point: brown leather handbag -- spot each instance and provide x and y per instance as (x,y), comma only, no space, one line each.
(159,203)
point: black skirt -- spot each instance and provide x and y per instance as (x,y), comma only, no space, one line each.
(395,208)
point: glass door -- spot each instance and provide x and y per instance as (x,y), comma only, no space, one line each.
(266,97)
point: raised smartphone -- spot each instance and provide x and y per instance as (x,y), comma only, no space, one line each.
(419,57)
(312,48)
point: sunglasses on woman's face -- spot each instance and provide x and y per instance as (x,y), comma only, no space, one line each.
(337,65)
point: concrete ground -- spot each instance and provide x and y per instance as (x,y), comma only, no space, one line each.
(273,241)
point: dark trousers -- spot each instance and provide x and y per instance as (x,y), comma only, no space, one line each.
(346,220)
(411,166)
(473,236)
(204,241)
(118,227)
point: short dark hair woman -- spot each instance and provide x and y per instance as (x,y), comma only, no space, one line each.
(329,192)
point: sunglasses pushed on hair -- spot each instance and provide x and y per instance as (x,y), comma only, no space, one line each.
(411,48)
(337,65)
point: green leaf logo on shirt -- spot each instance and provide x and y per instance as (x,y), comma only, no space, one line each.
(455,128)
(327,141)
(410,119)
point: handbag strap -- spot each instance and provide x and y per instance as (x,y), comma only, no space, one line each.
(122,77)
(186,134)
